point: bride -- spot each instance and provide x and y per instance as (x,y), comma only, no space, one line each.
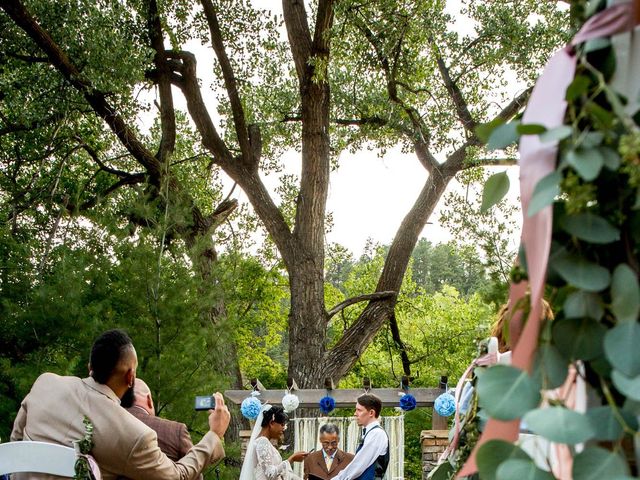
(262,460)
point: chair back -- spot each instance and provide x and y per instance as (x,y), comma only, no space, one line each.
(37,457)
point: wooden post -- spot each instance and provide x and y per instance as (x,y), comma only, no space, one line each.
(438,422)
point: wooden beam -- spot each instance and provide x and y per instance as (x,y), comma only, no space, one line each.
(345,398)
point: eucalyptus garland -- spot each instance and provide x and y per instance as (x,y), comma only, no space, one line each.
(592,282)
(84,447)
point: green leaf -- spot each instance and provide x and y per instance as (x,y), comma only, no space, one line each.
(595,463)
(495,189)
(629,386)
(586,162)
(581,273)
(444,471)
(503,136)
(493,453)
(606,425)
(550,367)
(522,470)
(620,347)
(625,294)
(556,134)
(545,191)
(590,227)
(581,304)
(484,130)
(600,115)
(507,392)
(594,44)
(611,158)
(559,424)
(577,87)
(579,338)
(531,129)
(591,139)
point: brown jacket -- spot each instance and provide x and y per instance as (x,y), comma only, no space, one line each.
(124,446)
(314,464)
(173,437)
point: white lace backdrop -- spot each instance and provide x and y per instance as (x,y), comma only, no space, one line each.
(306,432)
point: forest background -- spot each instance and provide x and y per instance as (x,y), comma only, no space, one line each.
(110,219)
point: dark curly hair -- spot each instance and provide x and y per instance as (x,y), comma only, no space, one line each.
(275,413)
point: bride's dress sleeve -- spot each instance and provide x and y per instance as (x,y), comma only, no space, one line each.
(270,462)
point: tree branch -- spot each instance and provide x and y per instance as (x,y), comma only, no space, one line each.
(295,19)
(231,86)
(360,298)
(167,112)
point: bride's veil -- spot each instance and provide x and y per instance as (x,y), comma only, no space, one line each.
(250,459)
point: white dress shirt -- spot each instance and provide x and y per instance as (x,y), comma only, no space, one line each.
(376,443)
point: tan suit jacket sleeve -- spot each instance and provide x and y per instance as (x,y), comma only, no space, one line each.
(18,425)
(146,461)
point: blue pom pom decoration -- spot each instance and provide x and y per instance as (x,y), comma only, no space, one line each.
(445,405)
(327,404)
(250,408)
(407,402)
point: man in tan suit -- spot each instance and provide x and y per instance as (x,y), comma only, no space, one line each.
(173,437)
(329,461)
(54,410)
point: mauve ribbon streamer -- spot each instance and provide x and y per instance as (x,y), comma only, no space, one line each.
(546,107)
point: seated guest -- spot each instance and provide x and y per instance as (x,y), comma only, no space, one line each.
(326,463)
(55,408)
(173,437)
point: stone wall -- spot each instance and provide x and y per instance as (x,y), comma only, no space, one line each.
(433,442)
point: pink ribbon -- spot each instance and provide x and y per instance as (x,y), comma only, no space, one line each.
(546,107)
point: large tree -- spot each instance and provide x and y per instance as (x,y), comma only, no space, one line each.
(349,75)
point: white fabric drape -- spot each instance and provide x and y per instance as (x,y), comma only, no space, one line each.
(306,432)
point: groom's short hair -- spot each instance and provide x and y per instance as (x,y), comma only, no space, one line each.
(370,402)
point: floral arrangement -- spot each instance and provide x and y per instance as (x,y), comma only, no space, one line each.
(445,405)
(250,407)
(407,402)
(327,404)
(290,402)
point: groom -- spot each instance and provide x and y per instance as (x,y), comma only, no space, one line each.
(372,455)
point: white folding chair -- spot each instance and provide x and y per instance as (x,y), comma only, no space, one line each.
(37,457)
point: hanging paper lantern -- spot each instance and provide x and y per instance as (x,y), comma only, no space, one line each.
(327,404)
(250,408)
(445,405)
(290,402)
(407,402)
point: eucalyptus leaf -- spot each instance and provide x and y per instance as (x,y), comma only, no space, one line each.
(606,425)
(577,87)
(559,424)
(625,294)
(579,338)
(587,162)
(590,227)
(550,367)
(492,453)
(522,470)
(630,386)
(620,348)
(581,304)
(556,134)
(611,158)
(594,44)
(484,130)
(495,188)
(545,191)
(442,472)
(591,139)
(507,392)
(581,273)
(595,463)
(531,129)
(503,135)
